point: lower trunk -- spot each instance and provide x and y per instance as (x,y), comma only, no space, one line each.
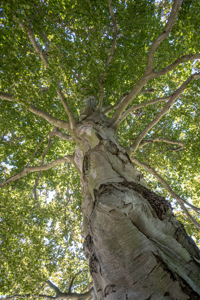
(135,247)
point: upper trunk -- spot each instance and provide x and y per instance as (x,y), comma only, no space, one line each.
(135,247)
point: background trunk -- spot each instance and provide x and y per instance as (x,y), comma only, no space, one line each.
(135,247)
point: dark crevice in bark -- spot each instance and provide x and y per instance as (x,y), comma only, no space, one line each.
(175,277)
(111,288)
(182,237)
(99,136)
(158,203)
(93,264)
(148,298)
(166,294)
(152,270)
(86,165)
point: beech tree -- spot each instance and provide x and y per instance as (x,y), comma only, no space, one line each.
(100,123)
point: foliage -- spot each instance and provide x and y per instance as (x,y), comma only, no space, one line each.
(40,236)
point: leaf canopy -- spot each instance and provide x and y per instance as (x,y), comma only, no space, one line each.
(40,236)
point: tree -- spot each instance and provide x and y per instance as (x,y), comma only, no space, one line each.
(107,87)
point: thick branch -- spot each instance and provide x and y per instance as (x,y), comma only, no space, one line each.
(110,56)
(65,159)
(121,106)
(171,192)
(166,108)
(159,139)
(28,296)
(49,118)
(54,287)
(90,285)
(176,63)
(62,136)
(163,35)
(39,112)
(111,108)
(59,295)
(69,296)
(133,108)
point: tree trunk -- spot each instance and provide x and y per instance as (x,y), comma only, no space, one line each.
(135,247)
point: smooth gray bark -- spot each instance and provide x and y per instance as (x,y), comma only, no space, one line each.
(135,247)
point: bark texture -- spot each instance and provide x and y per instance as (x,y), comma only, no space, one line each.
(135,247)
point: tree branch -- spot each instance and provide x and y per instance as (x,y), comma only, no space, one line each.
(110,56)
(149,73)
(90,285)
(72,281)
(111,108)
(38,146)
(65,159)
(130,96)
(39,112)
(45,61)
(166,108)
(147,91)
(54,287)
(28,296)
(176,63)
(133,108)
(77,76)
(159,139)
(42,162)
(70,296)
(163,35)
(59,295)
(72,120)
(61,135)
(171,192)
(31,36)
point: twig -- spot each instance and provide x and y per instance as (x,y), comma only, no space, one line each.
(72,120)
(62,136)
(77,76)
(160,139)
(37,148)
(42,162)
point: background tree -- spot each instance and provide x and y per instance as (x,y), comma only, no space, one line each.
(114,81)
